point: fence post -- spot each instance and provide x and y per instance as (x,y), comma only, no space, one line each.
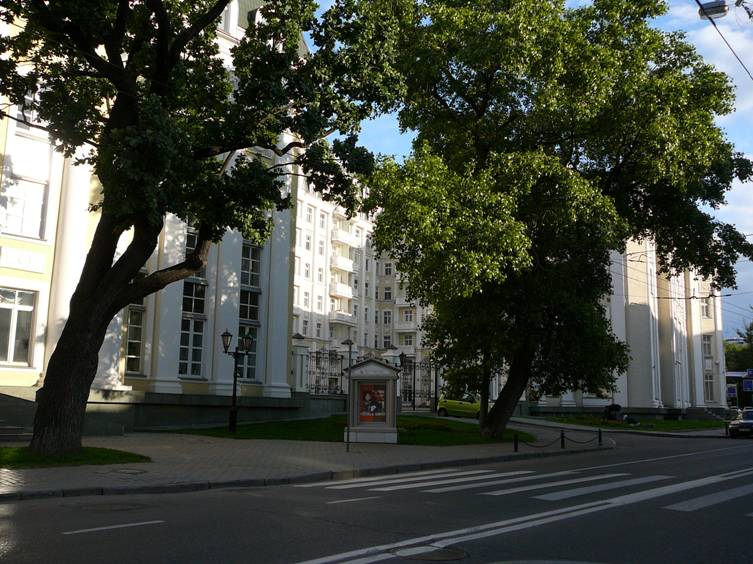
(562,438)
(599,436)
(515,442)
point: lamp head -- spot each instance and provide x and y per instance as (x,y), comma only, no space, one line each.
(227,338)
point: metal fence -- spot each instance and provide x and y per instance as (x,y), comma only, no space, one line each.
(418,380)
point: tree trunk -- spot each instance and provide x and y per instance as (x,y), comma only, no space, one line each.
(517,380)
(484,409)
(61,402)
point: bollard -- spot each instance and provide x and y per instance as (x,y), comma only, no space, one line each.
(599,436)
(726,429)
(562,438)
(515,442)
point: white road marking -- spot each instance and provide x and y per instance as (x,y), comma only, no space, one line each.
(352,500)
(575,492)
(448,481)
(380,552)
(123,526)
(498,482)
(644,460)
(404,480)
(553,484)
(711,499)
(374,478)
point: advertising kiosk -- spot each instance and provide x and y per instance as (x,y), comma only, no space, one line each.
(372,403)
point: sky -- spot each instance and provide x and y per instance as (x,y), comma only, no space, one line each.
(383,136)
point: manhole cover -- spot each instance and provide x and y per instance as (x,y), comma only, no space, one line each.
(430,553)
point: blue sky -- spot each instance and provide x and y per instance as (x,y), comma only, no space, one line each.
(383,136)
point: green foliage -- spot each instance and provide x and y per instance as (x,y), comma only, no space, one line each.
(154,98)
(547,137)
(739,356)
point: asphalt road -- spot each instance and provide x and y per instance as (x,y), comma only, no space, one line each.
(650,500)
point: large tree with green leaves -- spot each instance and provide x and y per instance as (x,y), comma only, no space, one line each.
(546,138)
(739,356)
(140,86)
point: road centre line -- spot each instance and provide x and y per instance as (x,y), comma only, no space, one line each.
(374,478)
(448,481)
(376,553)
(352,500)
(498,482)
(644,460)
(404,480)
(567,494)
(123,526)
(557,483)
(711,499)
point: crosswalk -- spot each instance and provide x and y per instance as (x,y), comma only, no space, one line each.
(546,486)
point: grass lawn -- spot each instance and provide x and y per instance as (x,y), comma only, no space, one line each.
(646,424)
(22,457)
(412,430)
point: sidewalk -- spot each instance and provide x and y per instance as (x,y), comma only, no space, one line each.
(543,423)
(191,463)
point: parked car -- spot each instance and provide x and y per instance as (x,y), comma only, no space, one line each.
(467,406)
(743,425)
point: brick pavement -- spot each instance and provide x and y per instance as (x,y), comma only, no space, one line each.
(190,462)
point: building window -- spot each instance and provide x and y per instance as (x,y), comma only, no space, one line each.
(192,329)
(305,330)
(387,340)
(250,265)
(408,315)
(355,284)
(322,220)
(376,316)
(706,307)
(708,386)
(307,271)
(320,275)
(22,207)
(367,264)
(16,313)
(366,314)
(249,309)
(407,340)
(307,245)
(388,269)
(376,341)
(319,303)
(321,248)
(706,346)
(134,339)
(387,317)
(355,312)
(192,239)
(387,292)
(366,289)
(247,363)
(309,214)
(306,299)
(318,330)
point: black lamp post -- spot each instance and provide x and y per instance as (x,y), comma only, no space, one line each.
(349,344)
(245,344)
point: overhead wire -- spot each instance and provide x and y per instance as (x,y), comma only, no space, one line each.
(719,31)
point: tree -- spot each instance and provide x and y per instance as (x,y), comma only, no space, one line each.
(739,356)
(141,86)
(546,138)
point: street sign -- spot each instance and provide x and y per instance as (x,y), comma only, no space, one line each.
(731,391)
(747,385)
(750,372)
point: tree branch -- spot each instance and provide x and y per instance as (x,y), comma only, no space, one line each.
(185,36)
(163,63)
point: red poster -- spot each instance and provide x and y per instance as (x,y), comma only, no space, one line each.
(371,407)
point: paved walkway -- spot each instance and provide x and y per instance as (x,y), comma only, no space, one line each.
(190,462)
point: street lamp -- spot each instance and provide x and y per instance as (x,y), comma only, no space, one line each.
(349,343)
(245,344)
(713,10)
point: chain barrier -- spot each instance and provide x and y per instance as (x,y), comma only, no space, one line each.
(562,438)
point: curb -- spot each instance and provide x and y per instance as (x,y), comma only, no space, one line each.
(184,487)
(605,430)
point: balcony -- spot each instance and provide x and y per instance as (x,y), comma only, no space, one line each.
(406,326)
(340,290)
(342,317)
(344,238)
(342,263)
